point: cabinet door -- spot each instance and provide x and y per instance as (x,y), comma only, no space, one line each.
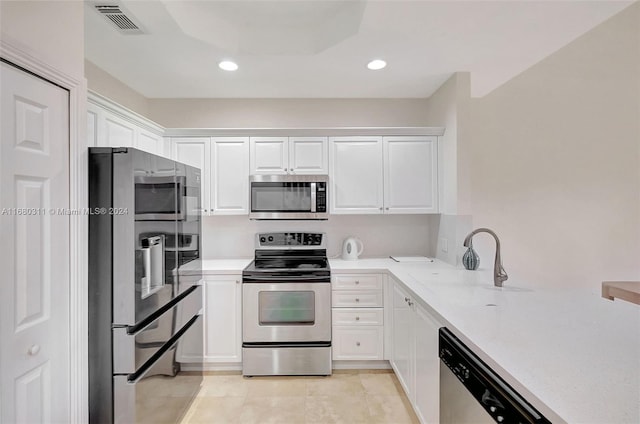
(92,125)
(118,132)
(195,151)
(356,176)
(410,170)
(229,175)
(149,142)
(269,155)
(308,155)
(427,367)
(223,329)
(402,355)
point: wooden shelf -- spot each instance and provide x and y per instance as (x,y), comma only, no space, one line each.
(625,290)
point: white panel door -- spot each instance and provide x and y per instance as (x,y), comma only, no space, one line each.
(269,155)
(410,175)
(196,151)
(308,155)
(355,173)
(34,294)
(230,175)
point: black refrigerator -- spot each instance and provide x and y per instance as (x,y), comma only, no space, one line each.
(145,297)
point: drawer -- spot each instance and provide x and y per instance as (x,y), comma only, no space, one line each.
(358,343)
(357,316)
(356,281)
(356,298)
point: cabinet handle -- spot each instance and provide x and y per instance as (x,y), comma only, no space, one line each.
(380,208)
(357,299)
(386,208)
(357,282)
(357,318)
(406,299)
(410,303)
(237,281)
(357,343)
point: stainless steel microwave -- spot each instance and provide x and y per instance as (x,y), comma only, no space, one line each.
(288,197)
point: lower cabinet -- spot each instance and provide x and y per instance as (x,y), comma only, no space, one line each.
(222,324)
(357,317)
(414,355)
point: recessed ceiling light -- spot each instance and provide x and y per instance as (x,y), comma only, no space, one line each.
(228,65)
(376,64)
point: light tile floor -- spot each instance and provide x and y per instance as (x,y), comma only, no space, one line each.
(344,397)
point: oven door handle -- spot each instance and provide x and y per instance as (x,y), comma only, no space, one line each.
(312,278)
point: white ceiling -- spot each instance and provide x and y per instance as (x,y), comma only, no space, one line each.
(307,49)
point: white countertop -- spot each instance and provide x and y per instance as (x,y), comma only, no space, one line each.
(574,355)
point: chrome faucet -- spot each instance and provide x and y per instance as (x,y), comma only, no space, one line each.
(499,274)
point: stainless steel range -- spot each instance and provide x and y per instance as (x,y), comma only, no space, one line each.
(286,306)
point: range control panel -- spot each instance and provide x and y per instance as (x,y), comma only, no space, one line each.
(297,240)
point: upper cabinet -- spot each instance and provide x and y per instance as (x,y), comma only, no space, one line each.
(410,174)
(356,175)
(289,155)
(111,125)
(224,162)
(373,175)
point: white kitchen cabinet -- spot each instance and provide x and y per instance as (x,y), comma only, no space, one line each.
(221,324)
(410,174)
(229,174)
(224,162)
(356,175)
(373,175)
(223,318)
(415,353)
(196,151)
(357,317)
(111,125)
(289,155)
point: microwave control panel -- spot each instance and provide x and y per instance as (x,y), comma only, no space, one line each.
(321,197)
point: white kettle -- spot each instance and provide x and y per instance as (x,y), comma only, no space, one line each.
(352,248)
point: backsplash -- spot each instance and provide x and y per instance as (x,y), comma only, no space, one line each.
(382,235)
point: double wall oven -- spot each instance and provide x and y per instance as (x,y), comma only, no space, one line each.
(286,306)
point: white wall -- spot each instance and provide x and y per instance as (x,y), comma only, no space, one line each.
(283,113)
(103,83)
(556,162)
(51,31)
(449,107)
(382,235)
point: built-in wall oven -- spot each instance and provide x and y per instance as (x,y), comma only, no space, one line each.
(288,197)
(286,307)
(472,393)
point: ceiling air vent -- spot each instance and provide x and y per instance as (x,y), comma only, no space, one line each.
(117,17)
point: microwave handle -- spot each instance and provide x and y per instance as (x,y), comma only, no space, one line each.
(313,197)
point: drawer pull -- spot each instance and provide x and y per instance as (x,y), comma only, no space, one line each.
(357,299)
(357,281)
(357,318)
(357,343)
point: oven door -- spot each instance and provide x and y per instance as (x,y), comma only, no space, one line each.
(286,312)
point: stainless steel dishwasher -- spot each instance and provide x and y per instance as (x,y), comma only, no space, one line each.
(472,393)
